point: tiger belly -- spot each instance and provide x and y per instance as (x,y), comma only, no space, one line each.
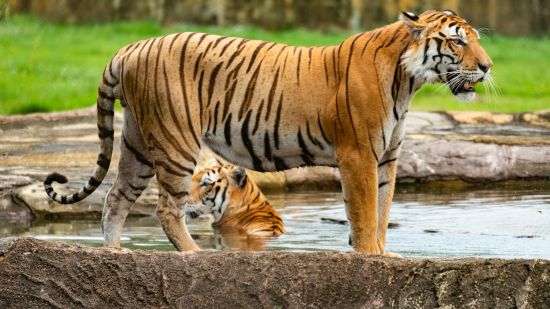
(258,151)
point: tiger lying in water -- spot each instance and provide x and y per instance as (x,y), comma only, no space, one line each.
(235,201)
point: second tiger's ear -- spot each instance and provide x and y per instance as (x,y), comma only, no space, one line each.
(238,176)
(411,21)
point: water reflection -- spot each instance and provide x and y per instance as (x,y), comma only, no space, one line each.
(447,220)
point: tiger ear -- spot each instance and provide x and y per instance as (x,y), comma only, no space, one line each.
(238,176)
(411,21)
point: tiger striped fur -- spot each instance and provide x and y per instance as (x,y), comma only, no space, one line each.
(235,201)
(271,107)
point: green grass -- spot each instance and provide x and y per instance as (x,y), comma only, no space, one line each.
(48,67)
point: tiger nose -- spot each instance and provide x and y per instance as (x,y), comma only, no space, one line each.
(485,66)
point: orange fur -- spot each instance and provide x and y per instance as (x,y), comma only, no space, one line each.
(234,204)
(270,107)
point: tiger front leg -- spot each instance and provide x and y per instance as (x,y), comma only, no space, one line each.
(360,186)
(386,186)
(170,209)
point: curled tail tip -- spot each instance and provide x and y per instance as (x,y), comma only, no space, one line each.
(56,177)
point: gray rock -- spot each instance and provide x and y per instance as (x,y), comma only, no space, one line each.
(37,274)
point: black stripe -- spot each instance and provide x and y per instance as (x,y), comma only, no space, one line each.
(313,140)
(63,199)
(54,195)
(267,147)
(174,39)
(104,132)
(309,51)
(277,122)
(347,91)
(280,164)
(203,36)
(233,57)
(216,108)
(226,46)
(224,196)
(104,111)
(159,146)
(271,94)
(103,161)
(258,115)
(74,197)
(146,176)
(386,162)
(199,89)
(187,171)
(197,62)
(383,183)
(218,41)
(298,66)
(94,182)
(213,199)
(111,71)
(49,190)
(212,82)
(173,112)
(256,162)
(321,128)
(103,95)
(245,105)
(140,157)
(373,151)
(325,66)
(395,35)
(106,82)
(306,155)
(184,90)
(254,54)
(227,130)
(136,188)
(87,191)
(125,196)
(137,70)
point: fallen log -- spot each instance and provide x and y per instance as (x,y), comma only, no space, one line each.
(37,273)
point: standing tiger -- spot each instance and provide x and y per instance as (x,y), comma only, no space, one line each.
(272,107)
(234,200)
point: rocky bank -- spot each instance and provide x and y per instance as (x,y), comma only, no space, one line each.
(475,147)
(43,274)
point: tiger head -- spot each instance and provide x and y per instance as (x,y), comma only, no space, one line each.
(214,190)
(446,49)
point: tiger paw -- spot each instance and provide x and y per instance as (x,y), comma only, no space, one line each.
(393,255)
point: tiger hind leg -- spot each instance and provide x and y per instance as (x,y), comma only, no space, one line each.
(134,172)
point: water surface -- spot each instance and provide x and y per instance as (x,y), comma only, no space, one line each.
(508,220)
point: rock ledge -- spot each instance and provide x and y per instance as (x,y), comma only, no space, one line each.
(42,274)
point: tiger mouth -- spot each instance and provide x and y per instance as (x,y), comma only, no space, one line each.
(464,87)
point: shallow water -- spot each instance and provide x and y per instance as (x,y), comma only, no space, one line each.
(508,220)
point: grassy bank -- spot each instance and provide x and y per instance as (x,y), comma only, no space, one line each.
(47,67)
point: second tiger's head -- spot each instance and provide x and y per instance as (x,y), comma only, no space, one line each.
(215,189)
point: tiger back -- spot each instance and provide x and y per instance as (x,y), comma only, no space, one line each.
(234,200)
